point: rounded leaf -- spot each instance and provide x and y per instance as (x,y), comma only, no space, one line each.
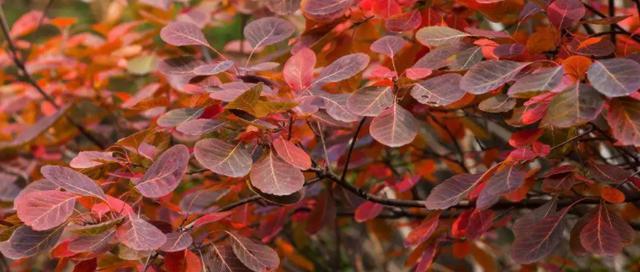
(165,174)
(268,30)
(272,175)
(394,127)
(370,101)
(223,158)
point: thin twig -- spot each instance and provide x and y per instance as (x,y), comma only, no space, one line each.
(351,146)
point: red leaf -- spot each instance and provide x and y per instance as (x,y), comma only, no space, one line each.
(86,266)
(255,256)
(367,211)
(422,232)
(140,235)
(565,13)
(298,70)
(612,195)
(292,154)
(605,233)
(72,181)
(272,175)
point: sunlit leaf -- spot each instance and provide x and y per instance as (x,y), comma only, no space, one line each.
(197,127)
(298,70)
(43,210)
(324,10)
(540,80)
(177,241)
(441,90)
(250,102)
(213,68)
(272,175)
(439,35)
(292,154)
(223,158)
(33,131)
(404,22)
(370,101)
(89,159)
(176,117)
(394,127)
(565,13)
(488,75)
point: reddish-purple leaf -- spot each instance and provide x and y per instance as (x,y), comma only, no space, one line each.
(624,119)
(343,68)
(292,154)
(388,45)
(26,242)
(140,235)
(451,191)
(43,210)
(465,59)
(220,258)
(183,33)
(210,218)
(89,159)
(336,105)
(323,213)
(615,77)
(92,243)
(575,106)
(565,13)
(540,80)
(602,234)
(197,127)
(298,70)
(438,91)
(439,35)
(535,236)
(223,158)
(422,232)
(213,68)
(177,241)
(72,181)
(165,174)
(367,211)
(183,65)
(34,131)
(370,101)
(504,181)
(404,22)
(426,259)
(201,201)
(267,31)
(497,104)
(176,117)
(255,256)
(394,127)
(272,175)
(488,75)
(325,10)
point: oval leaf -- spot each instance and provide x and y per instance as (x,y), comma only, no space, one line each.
(615,77)
(292,154)
(370,101)
(267,31)
(624,119)
(451,191)
(272,175)
(177,241)
(72,181)
(439,35)
(575,106)
(488,75)
(43,210)
(388,45)
(164,175)
(442,90)
(140,235)
(223,158)
(343,68)
(298,70)
(256,257)
(183,33)
(394,127)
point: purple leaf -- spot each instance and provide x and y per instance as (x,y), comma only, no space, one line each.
(89,159)
(140,235)
(267,31)
(388,45)
(165,174)
(343,68)
(439,35)
(26,242)
(565,13)
(176,117)
(488,75)
(72,181)
(502,182)
(183,33)
(370,101)
(615,77)
(451,191)
(575,106)
(197,127)
(541,80)
(535,237)
(442,90)
(177,241)
(213,68)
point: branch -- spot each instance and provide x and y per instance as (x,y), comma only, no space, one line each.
(351,146)
(614,25)
(29,79)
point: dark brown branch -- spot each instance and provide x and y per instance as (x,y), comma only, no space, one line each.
(31,81)
(351,146)
(614,26)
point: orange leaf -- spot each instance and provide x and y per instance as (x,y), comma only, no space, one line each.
(576,66)
(612,195)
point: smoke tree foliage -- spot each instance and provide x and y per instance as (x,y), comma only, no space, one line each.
(321,135)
